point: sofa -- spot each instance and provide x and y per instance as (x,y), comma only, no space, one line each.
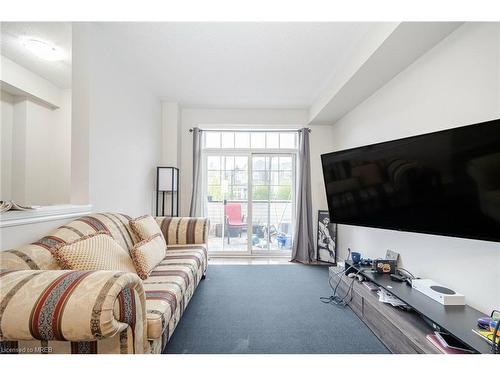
(45,309)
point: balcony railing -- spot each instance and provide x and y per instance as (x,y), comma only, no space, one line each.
(279,211)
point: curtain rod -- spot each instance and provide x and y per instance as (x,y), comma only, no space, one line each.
(251,131)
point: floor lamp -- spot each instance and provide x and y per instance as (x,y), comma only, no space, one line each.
(167,191)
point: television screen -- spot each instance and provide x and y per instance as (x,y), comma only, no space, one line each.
(445,183)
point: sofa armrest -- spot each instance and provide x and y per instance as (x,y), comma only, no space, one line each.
(68,305)
(184,230)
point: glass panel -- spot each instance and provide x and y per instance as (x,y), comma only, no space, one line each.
(213,177)
(287,140)
(281,230)
(227,203)
(272,205)
(275,163)
(213,162)
(259,225)
(212,139)
(260,193)
(240,177)
(273,140)
(258,140)
(228,140)
(241,163)
(274,178)
(214,193)
(228,175)
(285,178)
(240,192)
(259,163)
(241,140)
(281,192)
(229,163)
(286,163)
(259,178)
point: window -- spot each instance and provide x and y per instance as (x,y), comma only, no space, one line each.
(249,188)
(258,140)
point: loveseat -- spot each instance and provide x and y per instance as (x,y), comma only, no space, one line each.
(44,309)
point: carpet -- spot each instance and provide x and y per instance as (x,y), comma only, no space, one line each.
(271,309)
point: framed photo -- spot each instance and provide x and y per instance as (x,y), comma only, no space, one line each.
(327,238)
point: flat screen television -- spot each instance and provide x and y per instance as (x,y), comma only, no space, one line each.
(444,183)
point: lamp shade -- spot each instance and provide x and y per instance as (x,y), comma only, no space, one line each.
(167,179)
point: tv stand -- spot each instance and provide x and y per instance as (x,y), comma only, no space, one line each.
(405,331)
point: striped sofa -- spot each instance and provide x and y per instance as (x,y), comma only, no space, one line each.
(44,309)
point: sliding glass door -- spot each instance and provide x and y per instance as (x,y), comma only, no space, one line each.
(227,201)
(272,202)
(249,184)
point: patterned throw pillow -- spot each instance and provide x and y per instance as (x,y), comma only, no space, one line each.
(146,227)
(148,254)
(98,251)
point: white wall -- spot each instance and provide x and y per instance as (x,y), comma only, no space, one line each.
(61,154)
(456,83)
(320,142)
(36,151)
(40,174)
(36,138)
(7,109)
(170,134)
(29,83)
(18,171)
(47,153)
(117,128)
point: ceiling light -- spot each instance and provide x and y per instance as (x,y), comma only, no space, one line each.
(43,49)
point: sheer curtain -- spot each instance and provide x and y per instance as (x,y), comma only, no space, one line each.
(303,240)
(196,209)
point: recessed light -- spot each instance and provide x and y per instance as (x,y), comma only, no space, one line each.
(43,49)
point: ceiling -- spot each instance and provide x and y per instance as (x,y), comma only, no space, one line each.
(58,33)
(224,65)
(235,65)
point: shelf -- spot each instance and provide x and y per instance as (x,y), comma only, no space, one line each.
(456,320)
(42,214)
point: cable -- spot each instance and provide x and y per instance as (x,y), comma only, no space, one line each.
(335,299)
(340,279)
(412,276)
(343,301)
(329,299)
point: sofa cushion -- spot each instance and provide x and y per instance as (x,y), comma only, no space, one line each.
(184,230)
(200,252)
(170,286)
(148,254)
(97,251)
(146,227)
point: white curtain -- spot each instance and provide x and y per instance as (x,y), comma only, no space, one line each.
(196,209)
(303,239)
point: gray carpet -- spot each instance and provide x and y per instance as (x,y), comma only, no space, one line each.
(269,309)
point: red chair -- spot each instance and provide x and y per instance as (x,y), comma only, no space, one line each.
(234,219)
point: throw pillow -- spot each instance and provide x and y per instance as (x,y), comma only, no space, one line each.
(148,254)
(146,227)
(97,251)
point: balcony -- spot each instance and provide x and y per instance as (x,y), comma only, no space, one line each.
(271,229)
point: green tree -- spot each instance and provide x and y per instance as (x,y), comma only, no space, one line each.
(215,192)
(261,192)
(283,193)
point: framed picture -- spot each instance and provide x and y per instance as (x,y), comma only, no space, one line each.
(327,238)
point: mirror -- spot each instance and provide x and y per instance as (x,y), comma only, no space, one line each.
(35,130)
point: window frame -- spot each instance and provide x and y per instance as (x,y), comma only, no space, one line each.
(249,153)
